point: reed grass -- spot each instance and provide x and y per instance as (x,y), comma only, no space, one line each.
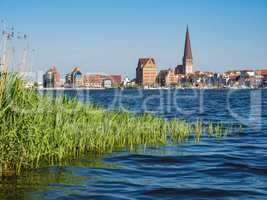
(38,130)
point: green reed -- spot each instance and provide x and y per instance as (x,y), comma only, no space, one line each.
(37,130)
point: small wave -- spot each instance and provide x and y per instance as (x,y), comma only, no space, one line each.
(200,193)
(241,167)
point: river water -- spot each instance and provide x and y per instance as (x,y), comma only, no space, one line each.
(229,168)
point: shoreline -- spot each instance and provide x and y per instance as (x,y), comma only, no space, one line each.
(51,89)
(101,89)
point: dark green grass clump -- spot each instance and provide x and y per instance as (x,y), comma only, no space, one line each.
(35,129)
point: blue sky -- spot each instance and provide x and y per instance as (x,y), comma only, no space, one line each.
(110,35)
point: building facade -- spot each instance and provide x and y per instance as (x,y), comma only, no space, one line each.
(146,72)
(51,79)
(180,69)
(68,80)
(116,80)
(107,83)
(76,77)
(262,74)
(167,78)
(93,80)
(100,81)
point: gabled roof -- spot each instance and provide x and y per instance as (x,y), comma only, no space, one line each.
(143,61)
(53,69)
(75,69)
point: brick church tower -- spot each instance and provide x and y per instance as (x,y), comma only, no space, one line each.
(188,58)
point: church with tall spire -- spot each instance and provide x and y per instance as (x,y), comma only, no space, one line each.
(188,58)
(187,66)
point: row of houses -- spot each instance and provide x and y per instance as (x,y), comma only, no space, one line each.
(229,79)
(183,75)
(246,78)
(148,76)
(76,79)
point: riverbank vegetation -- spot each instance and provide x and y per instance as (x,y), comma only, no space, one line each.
(37,130)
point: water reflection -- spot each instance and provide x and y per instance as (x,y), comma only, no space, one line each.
(30,183)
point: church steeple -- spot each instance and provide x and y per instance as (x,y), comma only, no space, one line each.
(187,49)
(188,58)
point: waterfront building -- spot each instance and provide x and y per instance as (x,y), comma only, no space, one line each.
(130,83)
(209,79)
(161,78)
(76,77)
(232,78)
(51,79)
(116,80)
(93,80)
(216,80)
(204,79)
(246,77)
(182,80)
(68,80)
(247,73)
(262,74)
(167,78)
(126,81)
(180,69)
(100,80)
(251,73)
(107,83)
(232,73)
(146,72)
(255,82)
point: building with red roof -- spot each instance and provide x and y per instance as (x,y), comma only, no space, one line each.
(146,72)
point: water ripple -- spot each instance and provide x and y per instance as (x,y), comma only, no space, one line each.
(229,168)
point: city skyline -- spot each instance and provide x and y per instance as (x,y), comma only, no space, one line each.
(108,38)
